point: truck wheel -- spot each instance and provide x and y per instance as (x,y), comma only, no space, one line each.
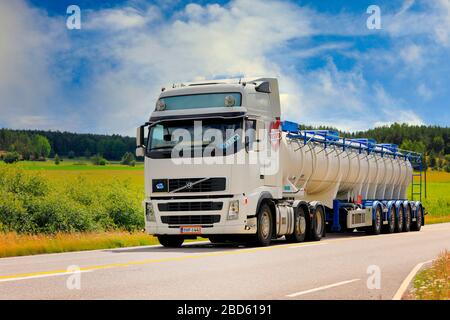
(264,226)
(399,220)
(299,227)
(171,241)
(390,227)
(417,225)
(376,222)
(317,224)
(407,219)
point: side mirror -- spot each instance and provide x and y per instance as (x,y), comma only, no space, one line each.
(140,136)
(140,152)
(140,148)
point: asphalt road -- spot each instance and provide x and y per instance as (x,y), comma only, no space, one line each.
(338,267)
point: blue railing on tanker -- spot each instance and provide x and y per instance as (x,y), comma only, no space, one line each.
(332,138)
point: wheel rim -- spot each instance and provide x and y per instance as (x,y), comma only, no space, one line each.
(408,217)
(301,225)
(392,220)
(400,219)
(318,221)
(265,225)
(378,219)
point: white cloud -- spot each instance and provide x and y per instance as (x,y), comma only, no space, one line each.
(123,18)
(399,116)
(412,54)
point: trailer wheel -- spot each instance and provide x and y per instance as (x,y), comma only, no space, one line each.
(390,227)
(299,227)
(264,226)
(407,219)
(399,220)
(171,241)
(376,222)
(417,225)
(317,224)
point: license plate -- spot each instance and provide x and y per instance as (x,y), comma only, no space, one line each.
(191,230)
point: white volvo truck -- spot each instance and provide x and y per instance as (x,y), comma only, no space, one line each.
(220,164)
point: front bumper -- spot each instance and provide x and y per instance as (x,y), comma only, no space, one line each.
(241,225)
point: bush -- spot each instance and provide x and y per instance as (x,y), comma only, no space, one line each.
(128,159)
(98,160)
(11,157)
(57,160)
(13,215)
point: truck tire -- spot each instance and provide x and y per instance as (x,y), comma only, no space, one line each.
(399,220)
(299,227)
(171,241)
(417,225)
(407,219)
(317,225)
(376,222)
(264,226)
(390,227)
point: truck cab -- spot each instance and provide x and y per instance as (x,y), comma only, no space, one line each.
(207,159)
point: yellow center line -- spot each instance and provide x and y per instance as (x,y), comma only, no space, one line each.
(150,261)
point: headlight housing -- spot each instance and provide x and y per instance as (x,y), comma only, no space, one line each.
(233,210)
(150,212)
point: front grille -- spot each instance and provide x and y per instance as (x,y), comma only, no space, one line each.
(197,219)
(209,185)
(190,206)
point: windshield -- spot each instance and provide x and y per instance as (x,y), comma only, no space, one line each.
(195,101)
(195,138)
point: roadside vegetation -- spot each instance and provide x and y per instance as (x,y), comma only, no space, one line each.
(14,244)
(33,203)
(433,283)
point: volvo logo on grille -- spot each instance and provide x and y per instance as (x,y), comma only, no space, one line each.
(189,185)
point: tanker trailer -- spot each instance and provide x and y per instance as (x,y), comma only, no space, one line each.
(309,182)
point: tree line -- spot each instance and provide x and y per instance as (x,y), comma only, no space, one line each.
(66,144)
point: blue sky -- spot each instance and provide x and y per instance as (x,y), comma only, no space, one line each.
(332,69)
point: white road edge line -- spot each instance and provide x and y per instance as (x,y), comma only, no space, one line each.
(405,284)
(45,276)
(292,295)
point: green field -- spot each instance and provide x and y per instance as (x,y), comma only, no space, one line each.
(437,202)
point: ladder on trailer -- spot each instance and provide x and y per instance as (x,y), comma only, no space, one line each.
(419,182)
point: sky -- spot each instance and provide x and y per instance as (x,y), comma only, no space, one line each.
(332,69)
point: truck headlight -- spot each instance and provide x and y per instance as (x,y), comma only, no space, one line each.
(149,212)
(233,210)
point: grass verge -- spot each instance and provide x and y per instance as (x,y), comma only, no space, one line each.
(13,244)
(433,283)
